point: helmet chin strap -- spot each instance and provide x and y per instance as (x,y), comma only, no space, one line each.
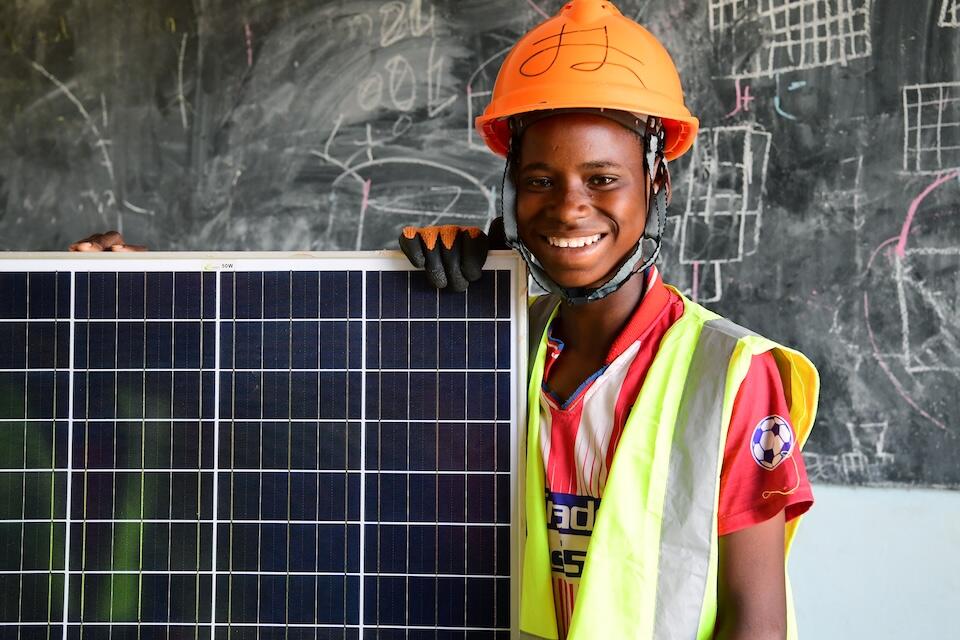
(643,255)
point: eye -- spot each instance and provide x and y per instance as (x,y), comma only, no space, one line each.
(539,182)
(602,181)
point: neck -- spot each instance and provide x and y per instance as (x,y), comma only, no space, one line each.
(592,327)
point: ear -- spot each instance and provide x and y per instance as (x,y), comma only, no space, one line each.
(661,179)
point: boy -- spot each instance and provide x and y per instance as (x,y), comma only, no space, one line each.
(684,426)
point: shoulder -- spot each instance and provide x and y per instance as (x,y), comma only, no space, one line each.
(763,471)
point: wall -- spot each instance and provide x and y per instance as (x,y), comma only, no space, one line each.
(819,206)
(879,564)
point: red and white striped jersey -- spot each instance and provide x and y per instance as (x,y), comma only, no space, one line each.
(579,437)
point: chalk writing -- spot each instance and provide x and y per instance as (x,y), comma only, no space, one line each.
(436,101)
(743,99)
(401,82)
(399,20)
(395,84)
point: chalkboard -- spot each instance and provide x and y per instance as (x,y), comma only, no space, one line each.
(820,206)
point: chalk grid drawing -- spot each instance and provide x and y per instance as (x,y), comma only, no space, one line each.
(931,127)
(866,461)
(767,37)
(950,14)
(722,218)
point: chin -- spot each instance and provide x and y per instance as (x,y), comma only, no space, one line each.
(576,280)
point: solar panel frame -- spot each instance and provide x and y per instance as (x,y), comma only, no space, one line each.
(69,310)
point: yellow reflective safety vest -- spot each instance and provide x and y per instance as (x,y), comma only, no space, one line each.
(651,567)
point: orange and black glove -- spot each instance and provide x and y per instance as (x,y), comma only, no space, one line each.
(452,256)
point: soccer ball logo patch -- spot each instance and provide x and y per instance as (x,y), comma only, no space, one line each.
(772,442)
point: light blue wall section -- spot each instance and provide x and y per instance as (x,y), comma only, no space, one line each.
(878,564)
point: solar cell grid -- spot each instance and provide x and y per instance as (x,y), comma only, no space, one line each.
(322,451)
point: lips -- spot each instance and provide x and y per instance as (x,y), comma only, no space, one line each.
(573,242)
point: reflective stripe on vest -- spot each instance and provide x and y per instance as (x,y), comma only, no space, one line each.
(692,482)
(652,565)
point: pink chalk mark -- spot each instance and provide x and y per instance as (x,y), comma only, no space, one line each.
(915,205)
(695,284)
(537,8)
(743,99)
(886,368)
(248,35)
(873,256)
(366,196)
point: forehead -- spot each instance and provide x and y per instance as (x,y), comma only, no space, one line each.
(581,137)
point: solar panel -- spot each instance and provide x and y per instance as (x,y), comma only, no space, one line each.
(257,446)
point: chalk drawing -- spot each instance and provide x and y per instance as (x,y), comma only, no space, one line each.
(432,196)
(778,104)
(950,14)
(928,307)
(180,97)
(866,461)
(772,36)
(842,193)
(248,40)
(360,25)
(931,127)
(919,292)
(479,89)
(538,9)
(851,173)
(435,100)
(101,143)
(637,17)
(743,99)
(722,218)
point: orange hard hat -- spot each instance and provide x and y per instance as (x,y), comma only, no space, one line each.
(589,56)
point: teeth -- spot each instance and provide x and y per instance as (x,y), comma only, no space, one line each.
(573,242)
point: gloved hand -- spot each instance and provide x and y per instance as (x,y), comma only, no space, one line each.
(455,261)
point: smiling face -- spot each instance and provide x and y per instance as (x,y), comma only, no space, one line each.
(581,196)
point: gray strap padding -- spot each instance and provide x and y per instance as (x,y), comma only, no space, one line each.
(538,315)
(693,471)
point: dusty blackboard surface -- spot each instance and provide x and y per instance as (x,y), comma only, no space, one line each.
(820,206)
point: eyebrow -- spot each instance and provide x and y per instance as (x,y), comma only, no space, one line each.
(592,164)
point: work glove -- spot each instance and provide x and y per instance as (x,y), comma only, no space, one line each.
(452,256)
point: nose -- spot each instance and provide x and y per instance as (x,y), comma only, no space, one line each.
(572,203)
